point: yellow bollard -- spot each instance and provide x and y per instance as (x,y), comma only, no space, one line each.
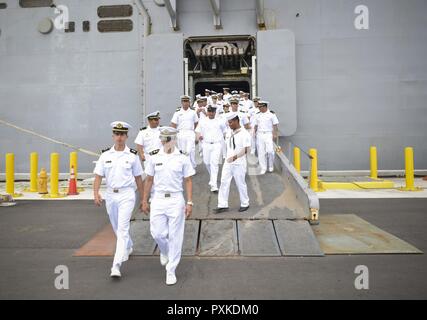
(54,177)
(297,159)
(34,163)
(409,171)
(10,175)
(314,181)
(374,162)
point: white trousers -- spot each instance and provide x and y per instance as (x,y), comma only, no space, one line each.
(211,159)
(187,144)
(238,172)
(167,222)
(265,150)
(119,208)
(253,141)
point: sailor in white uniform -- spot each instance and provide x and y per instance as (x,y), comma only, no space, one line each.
(208,96)
(201,108)
(243,116)
(238,143)
(226,95)
(166,171)
(123,172)
(194,106)
(210,132)
(266,131)
(222,115)
(185,120)
(252,117)
(220,101)
(247,104)
(214,101)
(147,141)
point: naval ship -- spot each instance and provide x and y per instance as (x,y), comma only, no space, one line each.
(341,76)
(335,85)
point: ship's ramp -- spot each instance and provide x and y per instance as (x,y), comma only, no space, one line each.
(276,224)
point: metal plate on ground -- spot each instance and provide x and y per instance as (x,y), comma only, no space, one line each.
(191,234)
(296,238)
(257,238)
(218,238)
(143,242)
(349,234)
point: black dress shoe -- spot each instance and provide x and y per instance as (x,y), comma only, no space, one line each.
(242,209)
(221,210)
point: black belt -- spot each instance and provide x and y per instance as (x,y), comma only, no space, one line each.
(154,152)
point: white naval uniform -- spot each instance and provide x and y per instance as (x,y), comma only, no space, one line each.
(226,97)
(149,139)
(209,99)
(185,121)
(235,142)
(244,118)
(201,114)
(167,208)
(212,131)
(246,105)
(223,117)
(265,122)
(120,169)
(252,115)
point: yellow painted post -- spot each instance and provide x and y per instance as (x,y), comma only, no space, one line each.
(314,182)
(409,170)
(374,162)
(54,177)
(297,159)
(10,175)
(34,163)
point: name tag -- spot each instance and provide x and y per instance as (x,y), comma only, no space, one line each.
(109,161)
(159,164)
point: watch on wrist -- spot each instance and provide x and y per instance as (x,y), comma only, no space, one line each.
(190,203)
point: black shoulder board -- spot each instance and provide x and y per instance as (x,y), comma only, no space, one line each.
(272,111)
(133,151)
(182,152)
(192,108)
(106,149)
(177,109)
(143,128)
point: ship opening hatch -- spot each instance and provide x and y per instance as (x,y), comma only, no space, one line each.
(218,62)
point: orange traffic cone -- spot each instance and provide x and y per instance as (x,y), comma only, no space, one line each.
(72,186)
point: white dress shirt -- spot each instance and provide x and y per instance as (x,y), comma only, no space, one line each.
(169,170)
(119,168)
